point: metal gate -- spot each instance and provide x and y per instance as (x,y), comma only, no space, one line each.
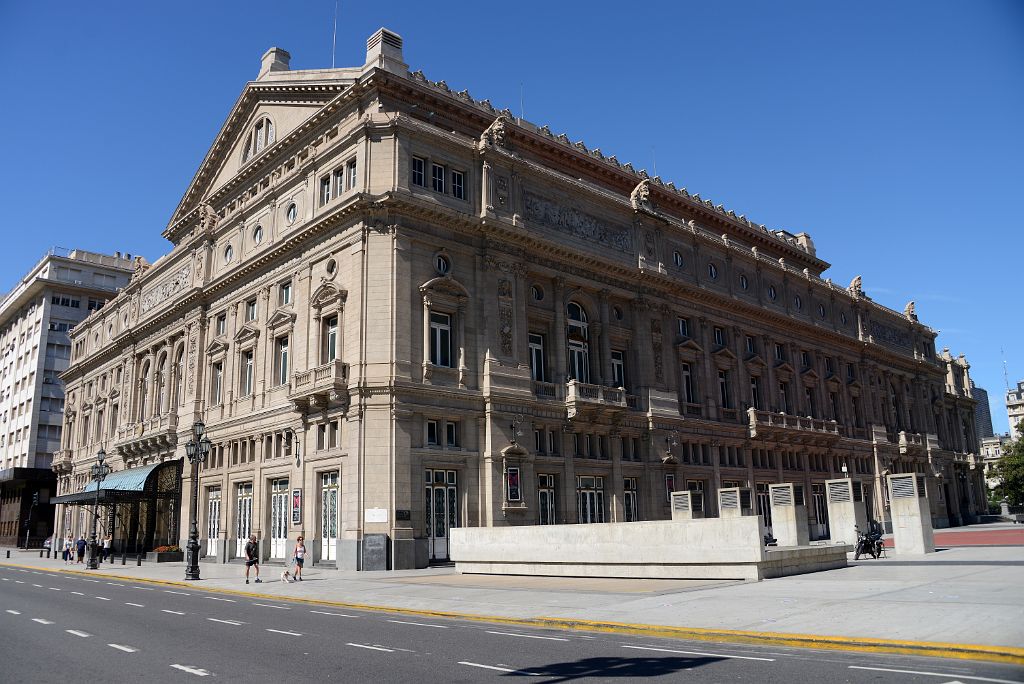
(442,510)
(329,516)
(278,518)
(212,520)
(820,528)
(590,499)
(764,506)
(243,517)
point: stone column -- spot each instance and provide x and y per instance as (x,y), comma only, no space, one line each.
(569,508)
(559,363)
(616,508)
(606,353)
(597,351)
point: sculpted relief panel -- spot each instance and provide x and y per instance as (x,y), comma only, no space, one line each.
(576,223)
(889,335)
(167,289)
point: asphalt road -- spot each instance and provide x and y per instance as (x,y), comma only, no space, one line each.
(56,627)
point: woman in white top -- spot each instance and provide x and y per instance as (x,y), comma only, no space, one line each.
(300,558)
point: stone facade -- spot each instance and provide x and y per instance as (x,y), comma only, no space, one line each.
(1015,409)
(399,310)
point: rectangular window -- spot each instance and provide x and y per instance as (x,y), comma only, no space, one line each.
(780,353)
(281,360)
(331,339)
(350,171)
(216,383)
(688,394)
(683,326)
(833,399)
(418,171)
(286,293)
(451,434)
(222,324)
(755,392)
(723,388)
(552,442)
(805,359)
(250,310)
(325,190)
(512,484)
(618,368)
(812,410)
(432,433)
(751,345)
(537,365)
(719,336)
(828,365)
(247,373)
(339,182)
(538,441)
(849,371)
(437,177)
(333,428)
(321,436)
(784,397)
(440,339)
(670,485)
(458,185)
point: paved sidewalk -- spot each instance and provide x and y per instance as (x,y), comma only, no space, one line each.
(960,595)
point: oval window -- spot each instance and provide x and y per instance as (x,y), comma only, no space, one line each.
(292,213)
(229,254)
(537,292)
(797,302)
(712,271)
(441,264)
(257,235)
(677,259)
(332,266)
(772,294)
(842,317)
(744,283)
(618,313)
(821,310)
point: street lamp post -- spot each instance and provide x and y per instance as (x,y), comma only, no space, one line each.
(197,448)
(99,471)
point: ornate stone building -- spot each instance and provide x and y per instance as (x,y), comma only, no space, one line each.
(398,310)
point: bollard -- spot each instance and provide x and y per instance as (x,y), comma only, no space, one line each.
(8,553)
(124,555)
(40,553)
(138,560)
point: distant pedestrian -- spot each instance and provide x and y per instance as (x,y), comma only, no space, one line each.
(80,547)
(252,559)
(300,558)
(69,544)
(107,541)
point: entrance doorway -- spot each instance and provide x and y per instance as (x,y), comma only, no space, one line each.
(243,517)
(590,499)
(442,510)
(546,499)
(212,520)
(764,506)
(820,527)
(278,517)
(329,516)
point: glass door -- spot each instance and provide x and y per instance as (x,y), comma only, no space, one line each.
(820,528)
(243,517)
(442,510)
(212,520)
(278,518)
(590,499)
(329,516)
(546,499)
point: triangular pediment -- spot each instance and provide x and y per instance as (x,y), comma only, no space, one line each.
(724,352)
(688,343)
(810,373)
(287,104)
(756,360)
(217,346)
(281,318)
(327,294)
(246,333)
(784,366)
(113,394)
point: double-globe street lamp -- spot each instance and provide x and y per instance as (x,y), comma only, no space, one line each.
(99,471)
(197,449)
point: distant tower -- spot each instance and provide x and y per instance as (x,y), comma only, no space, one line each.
(982,412)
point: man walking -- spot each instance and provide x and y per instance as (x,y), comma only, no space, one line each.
(80,548)
(106,547)
(252,559)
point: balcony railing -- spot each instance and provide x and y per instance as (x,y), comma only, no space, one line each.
(582,393)
(910,441)
(151,434)
(815,429)
(61,461)
(324,383)
(545,390)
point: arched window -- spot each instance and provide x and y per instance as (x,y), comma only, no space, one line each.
(161,386)
(143,390)
(179,377)
(578,343)
(260,137)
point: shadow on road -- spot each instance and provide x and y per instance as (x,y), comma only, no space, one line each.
(613,667)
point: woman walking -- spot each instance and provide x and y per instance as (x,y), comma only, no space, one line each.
(300,558)
(68,543)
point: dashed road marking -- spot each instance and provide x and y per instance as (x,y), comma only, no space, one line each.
(417,624)
(934,674)
(42,621)
(14,612)
(372,648)
(281,631)
(527,636)
(174,612)
(698,653)
(78,593)
(102,598)
(84,635)
(38,585)
(324,612)
(499,669)
(183,593)
(137,605)
(54,589)
(267,605)
(115,584)
(236,623)
(126,649)
(198,671)
(145,588)
(18,582)
(217,598)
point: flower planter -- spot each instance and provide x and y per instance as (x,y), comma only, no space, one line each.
(165,557)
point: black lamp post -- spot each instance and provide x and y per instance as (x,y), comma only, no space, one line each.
(99,471)
(197,448)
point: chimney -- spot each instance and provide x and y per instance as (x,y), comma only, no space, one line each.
(274,59)
(384,51)
(117,255)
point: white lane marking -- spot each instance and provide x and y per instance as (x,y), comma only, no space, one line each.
(267,605)
(38,585)
(499,669)
(281,631)
(126,649)
(324,612)
(372,648)
(137,605)
(102,598)
(85,635)
(935,674)
(115,584)
(168,591)
(5,579)
(89,580)
(78,593)
(14,612)
(54,589)
(42,621)
(36,573)
(175,612)
(18,582)
(236,623)
(418,624)
(698,653)
(192,670)
(145,588)
(528,636)
(217,598)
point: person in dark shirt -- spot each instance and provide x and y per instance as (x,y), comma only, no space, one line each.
(252,559)
(80,548)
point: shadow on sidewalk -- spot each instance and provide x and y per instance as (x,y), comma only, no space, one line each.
(612,667)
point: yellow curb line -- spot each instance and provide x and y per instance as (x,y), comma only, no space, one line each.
(995,654)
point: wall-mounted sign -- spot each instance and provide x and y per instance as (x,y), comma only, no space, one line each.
(514,493)
(375,515)
(403,514)
(296,507)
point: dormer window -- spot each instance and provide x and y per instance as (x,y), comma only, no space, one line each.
(260,138)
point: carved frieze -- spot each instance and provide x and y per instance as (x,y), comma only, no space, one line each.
(656,343)
(166,289)
(505,328)
(575,222)
(889,335)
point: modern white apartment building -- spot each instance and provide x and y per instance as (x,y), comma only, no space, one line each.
(1015,409)
(36,317)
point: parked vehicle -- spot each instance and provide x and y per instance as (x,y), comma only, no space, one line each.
(869,543)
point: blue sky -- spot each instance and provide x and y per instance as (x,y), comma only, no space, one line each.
(891,132)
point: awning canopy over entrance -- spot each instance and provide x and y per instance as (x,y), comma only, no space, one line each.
(133,484)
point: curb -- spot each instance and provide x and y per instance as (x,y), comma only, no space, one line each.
(994,654)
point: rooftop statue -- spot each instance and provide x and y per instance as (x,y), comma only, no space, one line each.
(640,198)
(855,287)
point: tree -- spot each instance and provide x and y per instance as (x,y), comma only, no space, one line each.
(1010,471)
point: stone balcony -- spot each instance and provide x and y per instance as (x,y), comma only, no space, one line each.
(582,396)
(145,436)
(798,429)
(318,387)
(62,462)
(911,443)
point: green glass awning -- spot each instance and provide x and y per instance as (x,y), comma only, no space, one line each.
(124,485)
